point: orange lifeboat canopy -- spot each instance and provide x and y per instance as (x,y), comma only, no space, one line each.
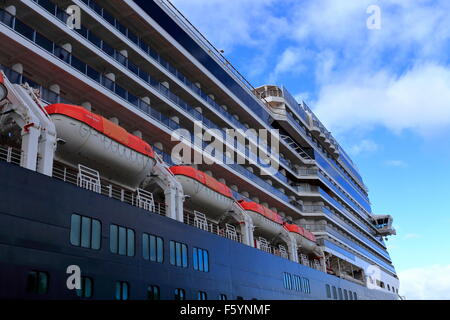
(256,207)
(301,231)
(203,178)
(102,125)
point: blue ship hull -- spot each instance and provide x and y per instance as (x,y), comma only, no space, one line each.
(35,215)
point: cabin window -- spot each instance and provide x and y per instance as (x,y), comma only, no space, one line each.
(355,296)
(345,294)
(340,294)
(297,283)
(121,240)
(37,282)
(200,260)
(86,288)
(350,295)
(223,297)
(122,290)
(334,293)
(289,281)
(85,232)
(328,291)
(180,294)
(202,295)
(178,254)
(152,248)
(153,293)
(306,287)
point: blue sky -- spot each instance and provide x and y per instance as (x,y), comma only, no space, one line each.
(384,93)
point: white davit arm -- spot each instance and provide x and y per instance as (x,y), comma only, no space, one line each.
(38,131)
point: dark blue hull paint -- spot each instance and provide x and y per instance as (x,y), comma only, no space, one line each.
(35,213)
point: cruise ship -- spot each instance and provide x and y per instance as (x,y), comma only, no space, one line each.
(96,97)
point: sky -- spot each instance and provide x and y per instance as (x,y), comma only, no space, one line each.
(381,86)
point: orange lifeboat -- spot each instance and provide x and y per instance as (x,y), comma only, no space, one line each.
(98,143)
(205,191)
(265,220)
(305,239)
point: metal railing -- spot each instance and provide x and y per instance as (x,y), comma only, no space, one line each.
(313,209)
(10,155)
(108,189)
(152,54)
(307,188)
(210,226)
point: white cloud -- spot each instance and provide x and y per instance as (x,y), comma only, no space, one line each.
(396,163)
(291,61)
(426,283)
(396,77)
(365,146)
(418,100)
(231,23)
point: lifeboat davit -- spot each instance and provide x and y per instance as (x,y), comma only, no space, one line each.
(265,220)
(212,196)
(98,143)
(305,239)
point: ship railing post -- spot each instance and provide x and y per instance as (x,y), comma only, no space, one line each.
(293,248)
(9,155)
(30,138)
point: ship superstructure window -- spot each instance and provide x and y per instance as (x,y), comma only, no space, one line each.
(86,288)
(122,290)
(85,232)
(350,295)
(180,294)
(152,248)
(121,240)
(345,294)
(153,293)
(328,291)
(340,294)
(202,295)
(200,260)
(178,254)
(355,296)
(37,282)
